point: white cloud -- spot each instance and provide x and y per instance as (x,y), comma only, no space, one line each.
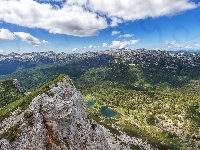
(196,44)
(188,47)
(50,0)
(115,32)
(105,45)
(1,51)
(26,37)
(90,46)
(177,46)
(69,19)
(131,10)
(131,42)
(6,35)
(78,2)
(122,44)
(174,45)
(45,42)
(170,42)
(115,21)
(118,45)
(126,35)
(86,17)
(74,49)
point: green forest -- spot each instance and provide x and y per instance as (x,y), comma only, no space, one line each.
(8,93)
(155,103)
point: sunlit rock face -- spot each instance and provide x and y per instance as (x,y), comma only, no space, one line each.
(57,121)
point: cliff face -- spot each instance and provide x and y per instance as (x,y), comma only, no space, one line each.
(55,121)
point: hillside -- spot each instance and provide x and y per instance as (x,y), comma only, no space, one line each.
(53,117)
(164,110)
(14,62)
(155,94)
(35,77)
(8,93)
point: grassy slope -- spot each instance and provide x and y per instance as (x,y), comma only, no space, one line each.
(24,101)
(8,93)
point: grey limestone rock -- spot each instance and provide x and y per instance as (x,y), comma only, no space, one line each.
(17,85)
(57,122)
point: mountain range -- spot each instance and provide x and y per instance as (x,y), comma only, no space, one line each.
(155,94)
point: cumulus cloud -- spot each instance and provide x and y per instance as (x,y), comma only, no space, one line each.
(173,45)
(126,35)
(50,0)
(74,49)
(122,44)
(84,47)
(118,45)
(6,35)
(105,45)
(127,10)
(115,21)
(99,46)
(196,44)
(188,47)
(86,17)
(90,46)
(1,51)
(78,2)
(70,19)
(45,42)
(26,37)
(115,32)
(131,42)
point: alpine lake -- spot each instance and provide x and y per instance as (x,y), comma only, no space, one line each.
(105,110)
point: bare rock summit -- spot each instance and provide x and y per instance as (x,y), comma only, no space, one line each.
(56,121)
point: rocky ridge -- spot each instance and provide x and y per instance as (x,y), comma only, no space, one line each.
(17,85)
(57,120)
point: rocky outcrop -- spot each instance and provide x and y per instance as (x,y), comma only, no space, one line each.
(17,85)
(56,121)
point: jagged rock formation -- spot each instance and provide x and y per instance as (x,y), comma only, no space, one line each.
(17,85)
(56,121)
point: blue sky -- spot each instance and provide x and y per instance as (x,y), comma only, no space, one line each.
(93,25)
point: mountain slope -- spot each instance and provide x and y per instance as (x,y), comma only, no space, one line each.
(9,92)
(156,93)
(42,74)
(54,119)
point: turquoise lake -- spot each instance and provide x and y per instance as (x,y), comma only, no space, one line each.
(107,112)
(90,103)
